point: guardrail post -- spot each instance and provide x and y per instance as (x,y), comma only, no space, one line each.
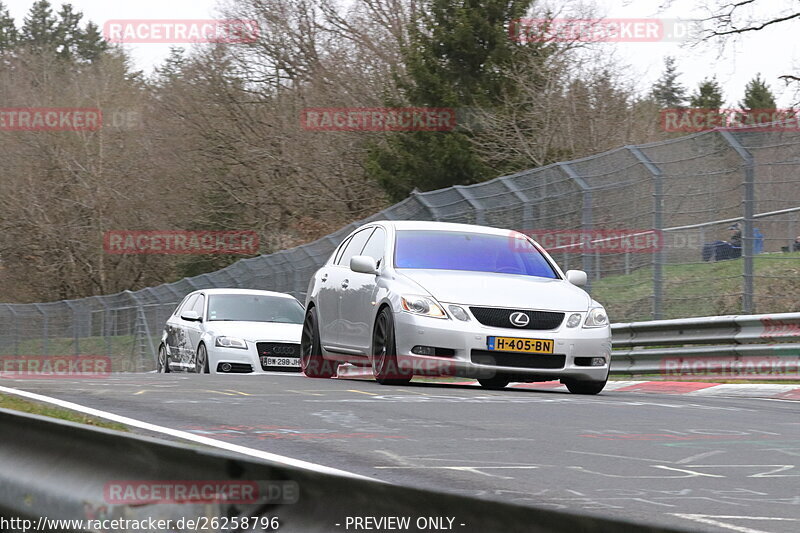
(658,225)
(586,220)
(749,210)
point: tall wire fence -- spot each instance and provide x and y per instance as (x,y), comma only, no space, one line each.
(688,192)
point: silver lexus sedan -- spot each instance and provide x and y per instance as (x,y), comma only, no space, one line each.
(413,298)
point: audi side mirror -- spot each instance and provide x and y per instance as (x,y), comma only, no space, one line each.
(192,316)
(364,264)
(576,277)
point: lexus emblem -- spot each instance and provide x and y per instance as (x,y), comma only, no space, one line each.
(519,319)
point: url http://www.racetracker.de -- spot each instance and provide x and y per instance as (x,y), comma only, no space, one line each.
(201,523)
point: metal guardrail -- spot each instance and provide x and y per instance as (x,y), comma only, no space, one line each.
(59,470)
(658,346)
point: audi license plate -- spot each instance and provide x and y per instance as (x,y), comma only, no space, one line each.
(281,361)
(514,344)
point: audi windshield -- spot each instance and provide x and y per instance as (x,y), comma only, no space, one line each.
(476,252)
(254,308)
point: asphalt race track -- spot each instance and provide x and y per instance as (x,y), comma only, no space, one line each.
(697,463)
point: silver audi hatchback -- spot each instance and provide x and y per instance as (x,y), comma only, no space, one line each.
(438,299)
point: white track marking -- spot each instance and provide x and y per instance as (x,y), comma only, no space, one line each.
(280,459)
(709,519)
(694,458)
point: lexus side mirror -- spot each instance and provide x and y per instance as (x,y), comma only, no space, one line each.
(576,277)
(364,264)
(191,315)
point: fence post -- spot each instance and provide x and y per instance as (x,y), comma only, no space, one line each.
(45,332)
(420,196)
(15,328)
(658,225)
(749,210)
(75,335)
(586,220)
(466,194)
(145,344)
(106,328)
(527,208)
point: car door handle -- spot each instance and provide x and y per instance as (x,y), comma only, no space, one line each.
(324,278)
(345,283)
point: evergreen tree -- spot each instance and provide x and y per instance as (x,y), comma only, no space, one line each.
(757,95)
(91,44)
(39,30)
(758,105)
(8,30)
(667,91)
(172,67)
(455,58)
(708,95)
(68,32)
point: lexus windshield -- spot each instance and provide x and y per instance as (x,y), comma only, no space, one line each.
(476,252)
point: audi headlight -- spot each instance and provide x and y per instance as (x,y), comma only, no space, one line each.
(231,342)
(597,318)
(422,305)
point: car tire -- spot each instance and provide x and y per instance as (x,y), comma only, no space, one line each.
(162,365)
(496,382)
(201,360)
(312,363)
(584,387)
(385,366)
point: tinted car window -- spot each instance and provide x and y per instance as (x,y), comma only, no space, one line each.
(477,252)
(355,246)
(254,308)
(375,245)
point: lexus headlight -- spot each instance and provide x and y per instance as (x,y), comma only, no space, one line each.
(231,342)
(422,305)
(597,318)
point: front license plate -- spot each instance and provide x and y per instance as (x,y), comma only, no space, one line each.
(280,361)
(514,344)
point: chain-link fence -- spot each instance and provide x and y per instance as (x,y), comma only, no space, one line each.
(686,192)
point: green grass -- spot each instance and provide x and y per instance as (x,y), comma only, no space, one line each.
(18,404)
(703,289)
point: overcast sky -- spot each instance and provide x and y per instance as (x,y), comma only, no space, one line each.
(772,52)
